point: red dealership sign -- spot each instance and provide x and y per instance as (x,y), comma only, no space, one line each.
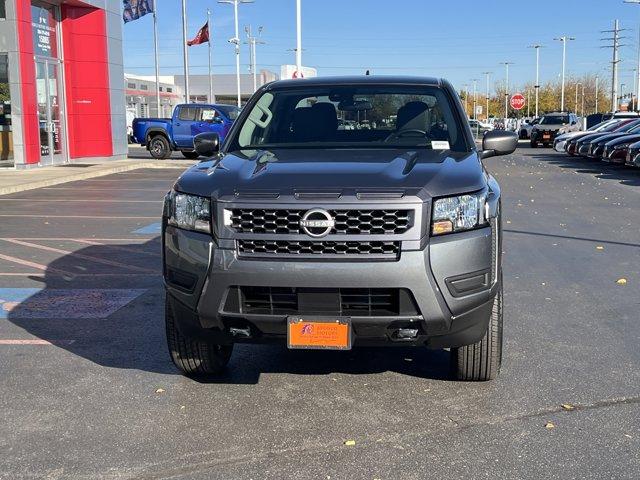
(517,101)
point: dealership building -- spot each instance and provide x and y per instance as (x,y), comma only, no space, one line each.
(61,82)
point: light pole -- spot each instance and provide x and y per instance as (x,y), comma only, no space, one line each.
(537,85)
(597,80)
(475,97)
(487,97)
(506,90)
(564,39)
(465,88)
(236,41)
(299,38)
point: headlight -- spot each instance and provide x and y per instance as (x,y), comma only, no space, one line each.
(456,214)
(189,212)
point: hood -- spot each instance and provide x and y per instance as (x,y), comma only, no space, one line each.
(628,138)
(605,137)
(287,172)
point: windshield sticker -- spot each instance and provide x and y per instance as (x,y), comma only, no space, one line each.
(440,145)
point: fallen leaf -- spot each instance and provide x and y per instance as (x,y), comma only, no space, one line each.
(350,443)
(159,390)
(621,281)
(599,247)
(568,407)
(549,425)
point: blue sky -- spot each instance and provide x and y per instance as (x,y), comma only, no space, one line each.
(455,39)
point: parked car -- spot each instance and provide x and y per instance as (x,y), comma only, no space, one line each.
(593,145)
(161,136)
(633,155)
(560,142)
(581,142)
(321,238)
(546,130)
(479,128)
(526,127)
(615,151)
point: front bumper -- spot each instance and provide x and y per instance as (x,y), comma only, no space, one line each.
(452,281)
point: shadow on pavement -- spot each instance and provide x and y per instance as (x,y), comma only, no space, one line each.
(111,313)
(605,171)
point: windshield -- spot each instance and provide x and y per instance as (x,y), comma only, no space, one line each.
(554,120)
(336,116)
(229,111)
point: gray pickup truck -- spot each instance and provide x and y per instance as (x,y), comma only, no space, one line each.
(299,232)
(552,125)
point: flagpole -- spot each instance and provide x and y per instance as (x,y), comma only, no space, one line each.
(210,76)
(155,46)
(185,51)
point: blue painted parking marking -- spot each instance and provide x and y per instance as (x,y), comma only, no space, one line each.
(151,229)
(64,303)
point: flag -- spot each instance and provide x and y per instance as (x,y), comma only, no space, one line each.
(201,37)
(134,9)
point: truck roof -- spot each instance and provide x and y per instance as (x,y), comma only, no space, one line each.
(358,80)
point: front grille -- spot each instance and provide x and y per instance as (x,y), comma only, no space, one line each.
(299,248)
(337,301)
(347,222)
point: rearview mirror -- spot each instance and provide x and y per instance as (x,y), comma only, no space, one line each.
(207,144)
(498,142)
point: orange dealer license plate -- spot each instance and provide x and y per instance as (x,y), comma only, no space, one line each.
(319,333)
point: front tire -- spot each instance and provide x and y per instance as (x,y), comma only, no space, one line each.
(481,361)
(159,147)
(192,357)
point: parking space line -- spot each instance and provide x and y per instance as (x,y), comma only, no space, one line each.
(78,216)
(132,240)
(79,255)
(117,247)
(66,274)
(35,341)
(83,200)
(27,263)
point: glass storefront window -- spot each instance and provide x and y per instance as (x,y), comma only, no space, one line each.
(43,22)
(6,135)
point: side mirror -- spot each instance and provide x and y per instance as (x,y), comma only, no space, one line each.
(207,144)
(498,142)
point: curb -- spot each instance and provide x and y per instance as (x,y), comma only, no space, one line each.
(84,175)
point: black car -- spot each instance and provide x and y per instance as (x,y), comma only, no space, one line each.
(299,232)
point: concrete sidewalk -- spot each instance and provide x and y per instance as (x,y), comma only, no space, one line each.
(12,181)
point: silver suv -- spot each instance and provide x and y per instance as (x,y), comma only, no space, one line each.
(551,125)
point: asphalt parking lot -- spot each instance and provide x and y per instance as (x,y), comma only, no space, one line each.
(88,391)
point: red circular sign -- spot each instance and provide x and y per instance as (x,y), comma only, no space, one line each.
(517,101)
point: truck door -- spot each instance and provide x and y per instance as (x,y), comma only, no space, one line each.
(183,121)
(208,119)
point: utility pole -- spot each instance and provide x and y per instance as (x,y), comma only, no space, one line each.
(637,76)
(615,46)
(252,42)
(537,85)
(564,39)
(487,96)
(236,41)
(506,90)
